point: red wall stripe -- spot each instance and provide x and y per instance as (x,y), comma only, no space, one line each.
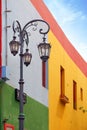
(55,28)
(43,74)
(0,35)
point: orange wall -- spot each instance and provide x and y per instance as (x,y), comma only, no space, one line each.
(64,117)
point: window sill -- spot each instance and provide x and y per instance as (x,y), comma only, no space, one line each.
(64,99)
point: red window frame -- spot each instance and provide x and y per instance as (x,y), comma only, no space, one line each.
(74,95)
(62,81)
(6,126)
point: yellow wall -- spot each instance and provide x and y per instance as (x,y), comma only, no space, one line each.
(64,117)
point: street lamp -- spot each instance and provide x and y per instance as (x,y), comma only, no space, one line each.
(43,48)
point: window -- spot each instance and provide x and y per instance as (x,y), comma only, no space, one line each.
(63,98)
(81,94)
(62,81)
(74,95)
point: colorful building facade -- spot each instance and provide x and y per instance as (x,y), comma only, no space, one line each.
(35,86)
(56,92)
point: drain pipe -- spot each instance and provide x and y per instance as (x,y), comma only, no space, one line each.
(6,30)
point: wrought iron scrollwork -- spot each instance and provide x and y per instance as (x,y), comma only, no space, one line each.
(34,23)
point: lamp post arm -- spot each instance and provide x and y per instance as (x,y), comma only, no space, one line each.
(24,34)
(35,23)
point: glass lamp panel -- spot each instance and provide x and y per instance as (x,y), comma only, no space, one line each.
(48,49)
(41,49)
(27,58)
(14,47)
(44,50)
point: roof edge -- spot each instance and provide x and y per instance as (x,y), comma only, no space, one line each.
(66,44)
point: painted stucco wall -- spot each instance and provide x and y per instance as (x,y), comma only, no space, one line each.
(65,117)
(35,112)
(62,117)
(23,11)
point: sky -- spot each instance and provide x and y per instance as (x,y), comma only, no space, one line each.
(71,15)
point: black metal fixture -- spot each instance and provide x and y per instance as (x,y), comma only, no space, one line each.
(17,98)
(23,38)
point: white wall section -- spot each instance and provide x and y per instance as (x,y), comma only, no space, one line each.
(23,11)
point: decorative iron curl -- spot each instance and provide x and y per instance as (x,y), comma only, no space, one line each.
(23,32)
(25,37)
(16,27)
(34,23)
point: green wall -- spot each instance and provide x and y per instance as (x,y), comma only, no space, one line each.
(36,114)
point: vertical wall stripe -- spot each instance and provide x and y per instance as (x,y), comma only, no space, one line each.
(47,74)
(43,74)
(0,35)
